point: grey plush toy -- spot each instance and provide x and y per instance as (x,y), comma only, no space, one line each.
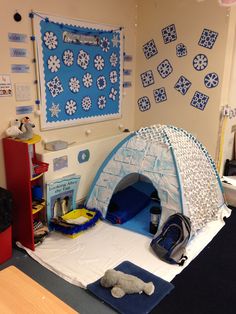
(122,284)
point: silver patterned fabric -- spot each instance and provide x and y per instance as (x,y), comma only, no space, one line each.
(197,172)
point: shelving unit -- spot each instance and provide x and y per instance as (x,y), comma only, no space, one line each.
(23,172)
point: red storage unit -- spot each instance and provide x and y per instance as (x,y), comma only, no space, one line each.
(5,244)
(23,172)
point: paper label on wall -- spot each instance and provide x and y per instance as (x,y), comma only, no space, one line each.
(18,52)
(22,92)
(5,85)
(16,37)
(20,68)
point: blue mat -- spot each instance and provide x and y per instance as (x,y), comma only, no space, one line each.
(130,303)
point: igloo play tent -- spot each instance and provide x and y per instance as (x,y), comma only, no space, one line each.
(177,165)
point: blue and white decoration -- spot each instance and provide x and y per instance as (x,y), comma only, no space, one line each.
(160,94)
(183,85)
(169,34)
(150,49)
(80,68)
(181,50)
(199,100)
(147,78)
(208,38)
(200,62)
(164,68)
(144,103)
(211,80)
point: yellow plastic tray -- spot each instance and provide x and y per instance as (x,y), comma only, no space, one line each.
(77,213)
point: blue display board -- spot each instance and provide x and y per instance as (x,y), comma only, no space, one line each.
(80,71)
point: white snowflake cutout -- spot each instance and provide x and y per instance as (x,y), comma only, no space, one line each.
(50,40)
(101,82)
(105,44)
(83,59)
(87,80)
(99,62)
(113,59)
(74,85)
(54,110)
(113,93)
(55,86)
(102,102)
(115,40)
(86,103)
(68,57)
(113,77)
(70,107)
(53,63)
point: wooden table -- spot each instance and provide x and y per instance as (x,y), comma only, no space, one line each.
(21,294)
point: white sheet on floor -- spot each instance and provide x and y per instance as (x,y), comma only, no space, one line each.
(84,259)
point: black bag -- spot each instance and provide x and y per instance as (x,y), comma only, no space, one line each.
(169,243)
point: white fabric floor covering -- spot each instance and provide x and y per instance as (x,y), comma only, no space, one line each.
(85,259)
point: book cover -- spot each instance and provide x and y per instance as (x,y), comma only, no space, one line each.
(61,195)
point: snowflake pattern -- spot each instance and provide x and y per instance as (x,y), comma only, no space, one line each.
(208,38)
(55,110)
(199,100)
(115,40)
(102,102)
(87,80)
(83,59)
(74,72)
(200,62)
(147,78)
(68,57)
(55,87)
(113,77)
(164,68)
(86,103)
(50,40)
(211,80)
(101,82)
(150,49)
(99,62)
(53,64)
(181,50)
(74,85)
(183,85)
(113,59)
(169,34)
(71,107)
(144,103)
(113,93)
(160,94)
(105,44)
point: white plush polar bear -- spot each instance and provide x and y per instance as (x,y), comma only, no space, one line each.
(122,284)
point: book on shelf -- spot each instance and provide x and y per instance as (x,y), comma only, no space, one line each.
(61,195)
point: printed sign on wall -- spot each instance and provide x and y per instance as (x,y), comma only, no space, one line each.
(5,85)
(80,71)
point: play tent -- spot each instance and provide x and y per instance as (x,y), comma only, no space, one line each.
(177,165)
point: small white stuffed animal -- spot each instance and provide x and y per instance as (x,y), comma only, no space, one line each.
(122,284)
(13,130)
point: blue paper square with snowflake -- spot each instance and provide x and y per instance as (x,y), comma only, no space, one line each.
(80,72)
(199,100)
(208,38)
(183,85)
(169,34)
(160,94)
(165,68)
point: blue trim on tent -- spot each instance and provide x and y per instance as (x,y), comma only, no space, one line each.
(105,162)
